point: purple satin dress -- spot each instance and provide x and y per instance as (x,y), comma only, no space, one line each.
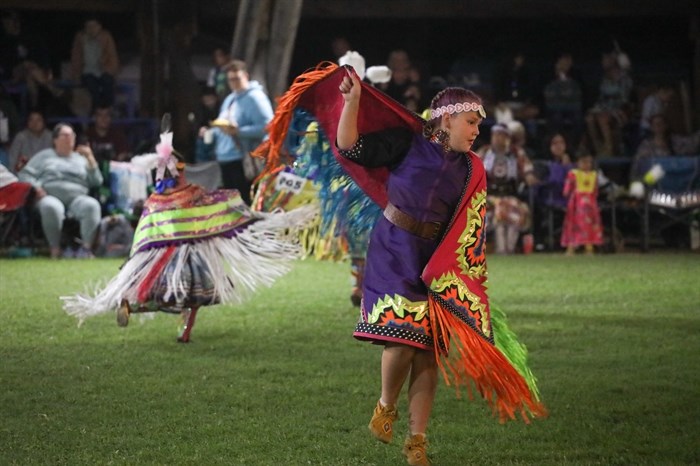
(427,184)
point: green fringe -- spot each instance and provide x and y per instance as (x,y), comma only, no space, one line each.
(508,344)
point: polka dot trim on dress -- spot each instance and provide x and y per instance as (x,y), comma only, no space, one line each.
(385,332)
(354,152)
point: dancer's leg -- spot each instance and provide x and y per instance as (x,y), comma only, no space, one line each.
(189,317)
(396,364)
(421,391)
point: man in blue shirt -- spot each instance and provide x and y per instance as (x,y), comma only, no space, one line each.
(240,127)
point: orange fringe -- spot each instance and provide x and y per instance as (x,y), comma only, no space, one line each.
(474,360)
(277,129)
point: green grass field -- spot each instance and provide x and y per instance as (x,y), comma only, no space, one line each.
(614,341)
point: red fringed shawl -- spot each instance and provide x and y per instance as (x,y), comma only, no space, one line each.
(455,275)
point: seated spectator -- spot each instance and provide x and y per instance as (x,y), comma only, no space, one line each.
(107,142)
(654,104)
(507,171)
(519,139)
(661,143)
(563,99)
(610,113)
(15,196)
(95,62)
(516,93)
(114,237)
(24,58)
(62,177)
(25,65)
(34,138)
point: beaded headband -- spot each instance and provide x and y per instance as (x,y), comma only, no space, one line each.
(458,107)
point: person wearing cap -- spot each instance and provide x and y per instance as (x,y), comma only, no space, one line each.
(507,171)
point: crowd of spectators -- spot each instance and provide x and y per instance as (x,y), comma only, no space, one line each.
(61,137)
(535,130)
(538,129)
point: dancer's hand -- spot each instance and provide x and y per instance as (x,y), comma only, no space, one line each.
(350,87)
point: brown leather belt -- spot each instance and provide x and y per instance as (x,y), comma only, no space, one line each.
(427,230)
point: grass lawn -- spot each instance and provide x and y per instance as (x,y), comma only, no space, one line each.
(613,339)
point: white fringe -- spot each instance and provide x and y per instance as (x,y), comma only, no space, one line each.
(256,257)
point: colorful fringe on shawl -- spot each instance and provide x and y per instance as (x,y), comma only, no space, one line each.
(347,214)
(499,372)
(472,346)
(198,248)
(271,148)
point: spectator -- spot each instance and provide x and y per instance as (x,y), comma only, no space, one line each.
(240,127)
(518,138)
(24,59)
(582,223)
(661,143)
(558,165)
(114,236)
(208,108)
(95,62)
(108,142)
(206,112)
(563,100)
(516,93)
(506,173)
(609,115)
(405,84)
(654,104)
(34,138)
(548,191)
(15,196)
(217,74)
(62,177)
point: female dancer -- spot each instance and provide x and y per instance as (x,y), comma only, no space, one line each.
(194,248)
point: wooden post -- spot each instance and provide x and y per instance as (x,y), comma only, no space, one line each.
(285,21)
(264,38)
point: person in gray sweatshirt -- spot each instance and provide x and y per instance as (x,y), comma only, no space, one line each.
(62,177)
